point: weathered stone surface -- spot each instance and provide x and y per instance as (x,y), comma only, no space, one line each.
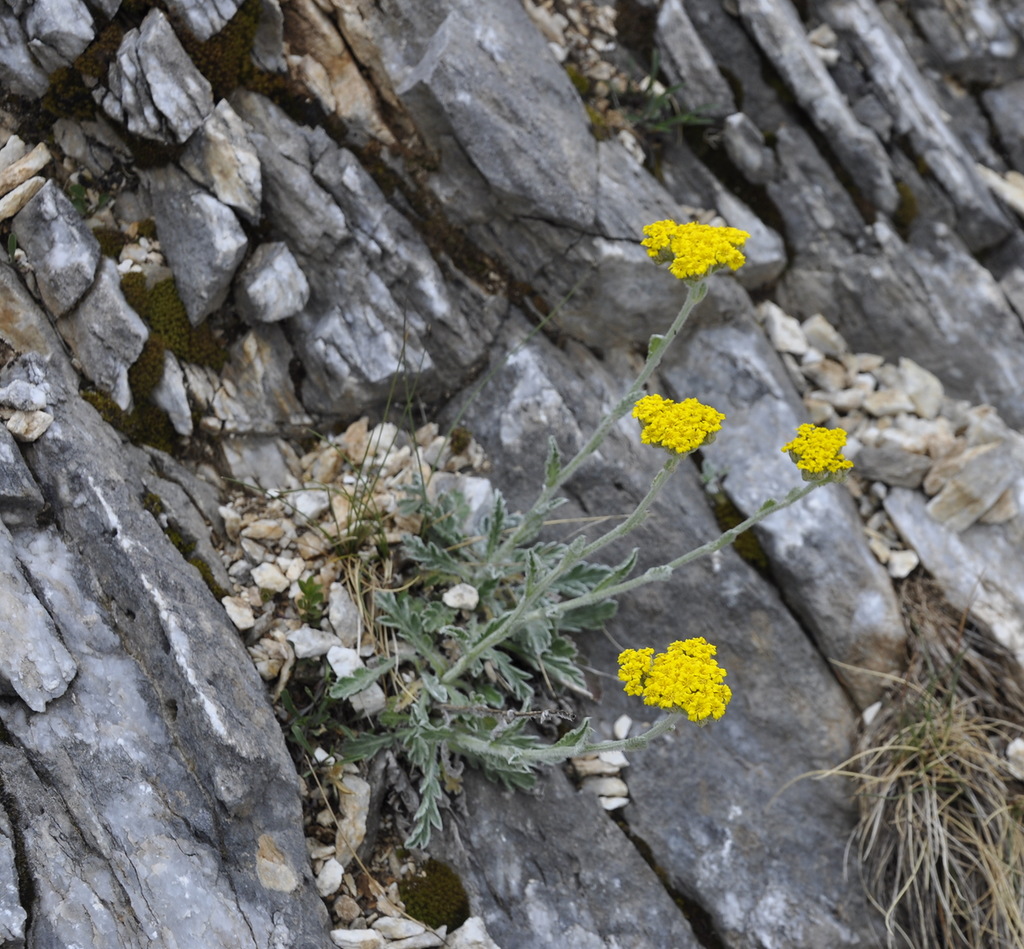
(61,249)
(19,171)
(271,286)
(221,158)
(154,88)
(181,718)
(20,499)
(203,18)
(1005,105)
(201,238)
(553,177)
(106,334)
(898,83)
(854,621)
(57,31)
(19,70)
(979,568)
(778,30)
(686,60)
(12,913)
(892,465)
(34,665)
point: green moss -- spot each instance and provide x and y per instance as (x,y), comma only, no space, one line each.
(111,241)
(581,82)
(459,439)
(153,503)
(146,228)
(436,897)
(96,59)
(907,210)
(147,371)
(68,97)
(161,308)
(207,574)
(145,424)
(226,59)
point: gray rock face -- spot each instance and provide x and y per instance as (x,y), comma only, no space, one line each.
(554,177)
(221,158)
(106,335)
(204,18)
(18,69)
(271,286)
(154,89)
(20,497)
(34,665)
(202,239)
(59,246)
(154,755)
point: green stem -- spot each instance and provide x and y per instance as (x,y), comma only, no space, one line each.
(552,754)
(532,520)
(573,555)
(663,571)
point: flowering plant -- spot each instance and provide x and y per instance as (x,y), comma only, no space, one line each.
(469,673)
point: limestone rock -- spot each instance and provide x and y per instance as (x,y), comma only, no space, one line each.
(106,335)
(63,253)
(153,87)
(57,31)
(19,70)
(189,219)
(203,18)
(686,60)
(34,665)
(271,286)
(973,481)
(892,465)
(221,158)
(20,498)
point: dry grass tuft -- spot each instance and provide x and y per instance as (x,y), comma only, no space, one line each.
(940,837)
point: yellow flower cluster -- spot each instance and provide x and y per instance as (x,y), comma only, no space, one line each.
(818,453)
(693,251)
(685,677)
(676,426)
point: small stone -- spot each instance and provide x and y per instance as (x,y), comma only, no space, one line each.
(346,909)
(264,529)
(592,765)
(621,727)
(868,715)
(328,880)
(892,465)
(310,503)
(397,928)
(784,331)
(617,759)
(826,374)
(902,563)
(344,616)
(472,934)
(922,387)
(462,596)
(357,939)
(232,522)
(823,335)
(311,545)
(12,202)
(1005,509)
(271,286)
(1015,758)
(887,402)
(613,803)
(239,612)
(268,576)
(309,643)
(606,786)
(977,478)
(28,426)
(354,810)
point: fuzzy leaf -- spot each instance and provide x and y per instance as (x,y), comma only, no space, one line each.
(553,466)
(361,679)
(618,573)
(431,557)
(593,616)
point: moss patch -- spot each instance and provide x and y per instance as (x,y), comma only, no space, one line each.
(436,897)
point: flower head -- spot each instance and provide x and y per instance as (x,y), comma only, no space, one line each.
(685,677)
(693,251)
(818,453)
(676,426)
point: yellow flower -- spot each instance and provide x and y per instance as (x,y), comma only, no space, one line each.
(818,453)
(685,677)
(676,426)
(693,251)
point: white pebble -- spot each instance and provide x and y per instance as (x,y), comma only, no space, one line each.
(613,803)
(328,881)
(462,596)
(239,612)
(394,927)
(622,726)
(310,643)
(268,576)
(357,939)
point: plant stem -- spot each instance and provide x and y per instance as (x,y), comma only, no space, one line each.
(552,754)
(533,519)
(663,571)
